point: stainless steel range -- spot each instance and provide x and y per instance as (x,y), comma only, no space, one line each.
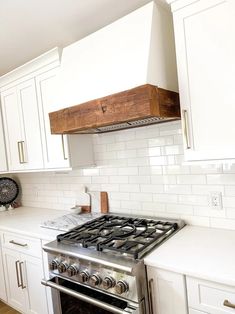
(98,267)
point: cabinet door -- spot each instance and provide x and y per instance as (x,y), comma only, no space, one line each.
(22,127)
(12,119)
(3,159)
(55,146)
(3,294)
(206,70)
(36,297)
(15,293)
(32,145)
(167,292)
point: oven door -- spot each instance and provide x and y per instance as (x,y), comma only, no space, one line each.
(70,298)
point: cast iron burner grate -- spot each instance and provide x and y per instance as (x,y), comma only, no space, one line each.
(129,236)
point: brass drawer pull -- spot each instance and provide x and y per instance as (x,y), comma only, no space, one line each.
(229,304)
(21,276)
(17,274)
(21,152)
(186,128)
(63,147)
(151,296)
(19,244)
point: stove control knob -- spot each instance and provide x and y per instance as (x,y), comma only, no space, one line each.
(54,264)
(108,282)
(121,287)
(62,267)
(95,280)
(83,276)
(72,270)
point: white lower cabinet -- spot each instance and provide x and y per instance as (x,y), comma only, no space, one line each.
(3,295)
(210,297)
(173,293)
(167,291)
(21,272)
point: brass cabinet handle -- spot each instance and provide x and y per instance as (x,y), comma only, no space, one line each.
(17,243)
(21,276)
(17,274)
(21,152)
(229,304)
(63,147)
(186,128)
(151,296)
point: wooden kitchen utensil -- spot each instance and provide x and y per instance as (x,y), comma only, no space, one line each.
(104,202)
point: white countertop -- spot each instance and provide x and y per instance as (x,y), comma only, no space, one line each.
(26,220)
(200,252)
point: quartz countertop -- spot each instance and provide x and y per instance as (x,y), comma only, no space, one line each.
(201,252)
(26,220)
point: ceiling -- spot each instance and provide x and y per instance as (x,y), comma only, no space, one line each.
(29,28)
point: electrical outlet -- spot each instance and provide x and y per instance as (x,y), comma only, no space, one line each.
(216,200)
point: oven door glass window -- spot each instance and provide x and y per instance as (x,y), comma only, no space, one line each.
(72,305)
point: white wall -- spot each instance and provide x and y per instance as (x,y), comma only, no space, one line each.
(143,173)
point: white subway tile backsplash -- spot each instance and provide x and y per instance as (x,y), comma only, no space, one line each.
(129,188)
(191,179)
(100,179)
(150,170)
(138,161)
(179,209)
(153,207)
(151,188)
(178,189)
(165,198)
(163,179)
(130,171)
(207,189)
(127,154)
(131,205)
(193,200)
(158,161)
(143,197)
(143,172)
(140,179)
(118,179)
(228,179)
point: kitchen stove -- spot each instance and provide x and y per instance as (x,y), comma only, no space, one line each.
(100,264)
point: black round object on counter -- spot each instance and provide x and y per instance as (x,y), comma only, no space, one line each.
(9,190)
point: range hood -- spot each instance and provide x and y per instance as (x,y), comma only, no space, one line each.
(133,61)
(140,106)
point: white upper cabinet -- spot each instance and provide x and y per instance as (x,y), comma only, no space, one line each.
(3,157)
(22,127)
(54,146)
(28,94)
(205,49)
(134,50)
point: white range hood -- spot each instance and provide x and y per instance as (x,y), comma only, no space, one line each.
(134,50)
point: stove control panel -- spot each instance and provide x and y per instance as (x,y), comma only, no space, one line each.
(94,275)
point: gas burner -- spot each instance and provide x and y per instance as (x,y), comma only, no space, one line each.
(130,236)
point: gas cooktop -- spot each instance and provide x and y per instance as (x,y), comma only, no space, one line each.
(125,235)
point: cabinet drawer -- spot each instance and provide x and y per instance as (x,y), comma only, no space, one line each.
(209,297)
(22,244)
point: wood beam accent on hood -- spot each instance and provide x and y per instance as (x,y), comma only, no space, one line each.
(142,105)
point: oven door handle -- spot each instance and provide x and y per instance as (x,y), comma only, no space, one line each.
(90,300)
